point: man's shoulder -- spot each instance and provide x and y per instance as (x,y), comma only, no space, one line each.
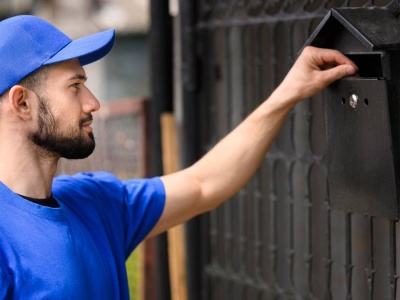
(84,181)
(104,185)
(85,177)
(102,180)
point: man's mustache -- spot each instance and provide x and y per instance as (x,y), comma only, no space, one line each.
(82,121)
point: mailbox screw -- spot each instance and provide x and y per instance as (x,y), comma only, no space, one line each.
(353,100)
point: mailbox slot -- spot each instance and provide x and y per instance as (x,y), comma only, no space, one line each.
(369,64)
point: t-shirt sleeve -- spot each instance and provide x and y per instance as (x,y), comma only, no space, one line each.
(145,202)
(126,210)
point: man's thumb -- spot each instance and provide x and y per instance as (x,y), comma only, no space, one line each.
(339,72)
(350,70)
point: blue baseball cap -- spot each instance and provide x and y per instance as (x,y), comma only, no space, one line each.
(28,43)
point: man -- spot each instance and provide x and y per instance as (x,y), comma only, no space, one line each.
(69,237)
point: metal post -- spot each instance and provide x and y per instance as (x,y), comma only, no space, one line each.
(161,101)
(190,136)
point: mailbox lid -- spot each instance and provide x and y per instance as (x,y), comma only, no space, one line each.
(360,157)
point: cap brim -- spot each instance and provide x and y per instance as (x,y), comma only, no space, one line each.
(87,49)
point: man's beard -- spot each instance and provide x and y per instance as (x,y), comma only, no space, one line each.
(68,143)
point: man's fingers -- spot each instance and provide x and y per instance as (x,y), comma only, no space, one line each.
(326,57)
(335,57)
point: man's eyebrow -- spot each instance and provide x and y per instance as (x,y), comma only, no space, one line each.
(78,76)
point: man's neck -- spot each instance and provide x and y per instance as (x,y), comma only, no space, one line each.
(27,172)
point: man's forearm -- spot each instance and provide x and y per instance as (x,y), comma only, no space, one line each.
(232,162)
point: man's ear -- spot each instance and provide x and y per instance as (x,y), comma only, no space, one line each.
(20,101)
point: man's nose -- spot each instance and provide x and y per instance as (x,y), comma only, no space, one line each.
(90,102)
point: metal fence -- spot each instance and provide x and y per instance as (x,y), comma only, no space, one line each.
(279,238)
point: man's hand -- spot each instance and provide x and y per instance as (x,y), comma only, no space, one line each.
(313,71)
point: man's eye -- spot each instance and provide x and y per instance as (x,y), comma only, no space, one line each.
(75,85)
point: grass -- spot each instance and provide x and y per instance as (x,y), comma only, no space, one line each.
(133,271)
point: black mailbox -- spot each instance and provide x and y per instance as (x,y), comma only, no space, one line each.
(363,112)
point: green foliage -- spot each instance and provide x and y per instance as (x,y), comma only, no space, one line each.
(133,270)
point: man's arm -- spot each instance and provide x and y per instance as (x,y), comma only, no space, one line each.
(232,162)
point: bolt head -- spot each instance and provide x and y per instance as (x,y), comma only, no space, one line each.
(353,100)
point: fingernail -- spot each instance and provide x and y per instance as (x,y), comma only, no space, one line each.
(350,70)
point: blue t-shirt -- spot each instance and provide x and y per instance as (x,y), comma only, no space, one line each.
(76,251)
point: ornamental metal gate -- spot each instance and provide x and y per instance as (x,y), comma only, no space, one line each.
(278,238)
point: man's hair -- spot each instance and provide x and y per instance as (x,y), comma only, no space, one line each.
(34,81)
